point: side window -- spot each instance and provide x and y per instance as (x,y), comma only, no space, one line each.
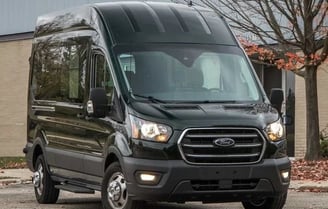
(59,71)
(127,62)
(103,77)
(128,65)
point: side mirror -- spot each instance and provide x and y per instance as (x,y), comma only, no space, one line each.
(276,98)
(97,103)
(287,120)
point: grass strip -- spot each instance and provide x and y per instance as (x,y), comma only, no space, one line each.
(12,162)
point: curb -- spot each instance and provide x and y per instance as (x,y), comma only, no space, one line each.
(309,186)
(12,181)
(15,176)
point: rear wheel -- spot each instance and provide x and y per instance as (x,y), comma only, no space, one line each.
(266,203)
(44,187)
(114,192)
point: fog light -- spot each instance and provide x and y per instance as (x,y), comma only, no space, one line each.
(147,177)
(150,178)
(285,175)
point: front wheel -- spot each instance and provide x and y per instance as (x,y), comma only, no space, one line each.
(44,187)
(114,192)
(266,203)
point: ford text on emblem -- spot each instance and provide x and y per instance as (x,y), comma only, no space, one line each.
(224,142)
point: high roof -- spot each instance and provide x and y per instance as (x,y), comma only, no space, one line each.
(134,22)
(143,22)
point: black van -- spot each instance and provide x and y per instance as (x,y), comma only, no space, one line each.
(150,102)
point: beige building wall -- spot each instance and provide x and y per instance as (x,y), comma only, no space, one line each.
(14,69)
(300,115)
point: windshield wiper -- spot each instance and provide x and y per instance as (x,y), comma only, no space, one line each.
(149,98)
(211,102)
(227,101)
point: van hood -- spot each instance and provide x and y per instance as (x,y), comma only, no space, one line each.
(182,116)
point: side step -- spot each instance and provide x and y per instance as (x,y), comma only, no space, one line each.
(75,189)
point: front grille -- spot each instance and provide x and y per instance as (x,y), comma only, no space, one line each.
(214,185)
(197,146)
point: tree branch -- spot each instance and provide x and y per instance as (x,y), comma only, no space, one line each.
(317,7)
(290,5)
(322,19)
(299,7)
(271,19)
(300,71)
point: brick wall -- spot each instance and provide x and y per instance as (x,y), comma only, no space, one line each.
(300,116)
(14,69)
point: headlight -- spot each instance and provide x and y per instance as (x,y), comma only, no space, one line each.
(151,131)
(275,131)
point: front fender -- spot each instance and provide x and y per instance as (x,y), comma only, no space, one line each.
(117,144)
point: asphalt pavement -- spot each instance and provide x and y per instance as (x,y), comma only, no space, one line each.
(16,191)
(21,196)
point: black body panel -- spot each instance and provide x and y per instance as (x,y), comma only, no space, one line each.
(141,22)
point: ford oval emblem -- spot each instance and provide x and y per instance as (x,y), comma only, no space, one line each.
(224,142)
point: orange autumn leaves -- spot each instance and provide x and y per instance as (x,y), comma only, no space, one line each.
(287,61)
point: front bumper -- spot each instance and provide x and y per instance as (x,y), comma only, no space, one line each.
(181,182)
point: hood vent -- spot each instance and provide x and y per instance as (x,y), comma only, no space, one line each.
(181,107)
(238,106)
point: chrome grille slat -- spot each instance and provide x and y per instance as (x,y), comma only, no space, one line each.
(220,135)
(246,145)
(196,146)
(224,156)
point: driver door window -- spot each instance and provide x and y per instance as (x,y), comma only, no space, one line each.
(103,78)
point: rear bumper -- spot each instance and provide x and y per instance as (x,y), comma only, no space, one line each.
(182,182)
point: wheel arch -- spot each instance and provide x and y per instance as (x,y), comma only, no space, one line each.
(36,153)
(113,155)
(38,148)
(116,148)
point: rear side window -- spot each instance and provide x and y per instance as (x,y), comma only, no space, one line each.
(59,71)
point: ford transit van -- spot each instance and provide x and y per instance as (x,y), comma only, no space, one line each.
(151,102)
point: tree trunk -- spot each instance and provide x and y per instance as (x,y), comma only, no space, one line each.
(312,115)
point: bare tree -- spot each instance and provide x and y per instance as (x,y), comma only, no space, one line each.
(300,30)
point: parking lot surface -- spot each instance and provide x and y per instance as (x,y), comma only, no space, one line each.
(21,196)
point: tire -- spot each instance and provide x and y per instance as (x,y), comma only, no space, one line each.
(268,203)
(114,184)
(44,187)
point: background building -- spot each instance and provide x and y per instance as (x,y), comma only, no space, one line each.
(17,22)
(300,114)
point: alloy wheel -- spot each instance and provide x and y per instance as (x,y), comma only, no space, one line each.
(117,191)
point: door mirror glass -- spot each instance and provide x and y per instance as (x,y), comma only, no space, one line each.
(97,104)
(276,98)
(287,120)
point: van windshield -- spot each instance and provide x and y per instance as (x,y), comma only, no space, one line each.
(184,73)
